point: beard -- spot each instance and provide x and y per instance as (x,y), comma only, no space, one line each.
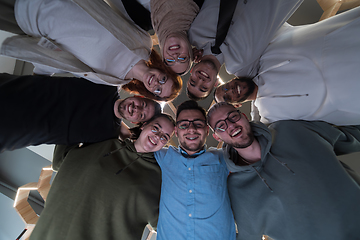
(192,148)
(249,140)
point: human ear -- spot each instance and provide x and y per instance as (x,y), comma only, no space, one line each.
(237,105)
(175,131)
(216,137)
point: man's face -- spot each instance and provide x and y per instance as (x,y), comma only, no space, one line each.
(202,79)
(235,91)
(193,138)
(134,109)
(237,134)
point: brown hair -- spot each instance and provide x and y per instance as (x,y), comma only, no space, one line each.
(137,87)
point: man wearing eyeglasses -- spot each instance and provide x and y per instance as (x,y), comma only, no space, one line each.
(194,202)
(286,181)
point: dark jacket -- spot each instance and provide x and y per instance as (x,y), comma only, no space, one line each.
(55,110)
(319,201)
(101,191)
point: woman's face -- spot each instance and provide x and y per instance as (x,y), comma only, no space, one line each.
(175,53)
(154,135)
(158,82)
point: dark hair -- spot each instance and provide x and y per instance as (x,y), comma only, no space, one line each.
(190,105)
(157,108)
(137,87)
(194,97)
(136,131)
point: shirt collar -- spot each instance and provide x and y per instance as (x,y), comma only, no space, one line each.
(185,154)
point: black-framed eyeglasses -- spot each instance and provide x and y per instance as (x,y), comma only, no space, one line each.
(170,61)
(185,124)
(163,138)
(232,117)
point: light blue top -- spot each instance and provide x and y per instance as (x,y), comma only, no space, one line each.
(194,202)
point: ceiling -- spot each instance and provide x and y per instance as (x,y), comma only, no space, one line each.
(24,165)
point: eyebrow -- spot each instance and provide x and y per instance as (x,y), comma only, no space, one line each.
(161,130)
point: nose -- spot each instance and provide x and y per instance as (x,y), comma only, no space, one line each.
(137,108)
(191,127)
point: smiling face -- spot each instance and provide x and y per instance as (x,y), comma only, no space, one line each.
(191,139)
(237,134)
(154,135)
(134,109)
(202,79)
(235,91)
(176,54)
(158,82)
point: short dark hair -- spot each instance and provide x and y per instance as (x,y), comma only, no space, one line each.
(157,108)
(190,105)
(215,107)
(194,97)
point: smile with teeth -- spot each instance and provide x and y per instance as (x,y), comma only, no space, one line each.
(152,141)
(239,89)
(151,80)
(192,138)
(204,74)
(130,106)
(238,131)
(175,47)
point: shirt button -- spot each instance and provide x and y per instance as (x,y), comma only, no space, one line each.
(190,215)
(85,74)
(189,168)
(190,191)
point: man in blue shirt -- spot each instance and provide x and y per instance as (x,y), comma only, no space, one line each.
(194,201)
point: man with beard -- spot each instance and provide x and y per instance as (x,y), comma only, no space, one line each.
(253,26)
(64,110)
(236,91)
(194,202)
(286,181)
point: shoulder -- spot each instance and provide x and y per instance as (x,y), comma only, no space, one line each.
(164,153)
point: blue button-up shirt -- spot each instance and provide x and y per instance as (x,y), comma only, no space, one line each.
(194,201)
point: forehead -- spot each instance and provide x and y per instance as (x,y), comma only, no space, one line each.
(221,113)
(164,123)
(190,114)
(149,103)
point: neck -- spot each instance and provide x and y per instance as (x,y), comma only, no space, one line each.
(252,153)
(191,152)
(138,147)
(214,60)
(137,71)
